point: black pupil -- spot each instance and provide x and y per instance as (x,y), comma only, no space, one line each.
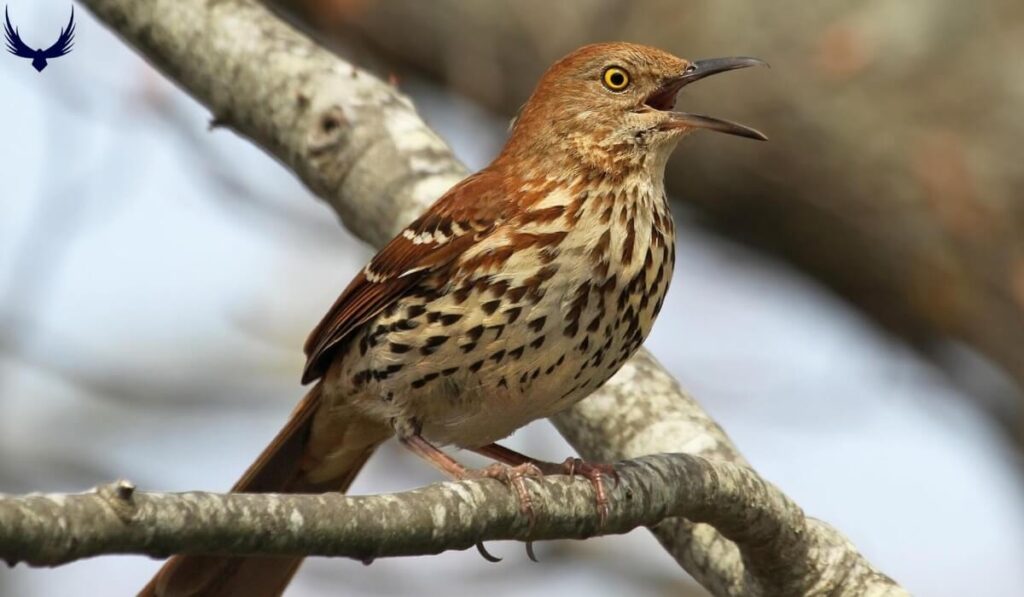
(617,79)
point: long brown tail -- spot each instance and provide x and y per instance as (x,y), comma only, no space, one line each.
(278,469)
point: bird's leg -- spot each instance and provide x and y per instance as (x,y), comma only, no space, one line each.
(571,466)
(513,474)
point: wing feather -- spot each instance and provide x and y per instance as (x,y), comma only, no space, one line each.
(459,219)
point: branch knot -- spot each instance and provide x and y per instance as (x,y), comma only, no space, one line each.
(119,496)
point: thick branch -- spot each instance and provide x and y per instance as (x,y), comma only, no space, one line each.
(49,530)
(642,410)
(359,144)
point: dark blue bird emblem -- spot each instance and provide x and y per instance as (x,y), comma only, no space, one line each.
(39,57)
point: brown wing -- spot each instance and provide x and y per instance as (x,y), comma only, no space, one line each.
(464,215)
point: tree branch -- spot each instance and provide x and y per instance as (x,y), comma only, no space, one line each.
(359,145)
(47,530)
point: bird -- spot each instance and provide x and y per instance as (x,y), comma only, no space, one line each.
(518,293)
(39,57)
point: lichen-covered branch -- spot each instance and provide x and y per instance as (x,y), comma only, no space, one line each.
(47,530)
(359,145)
(642,410)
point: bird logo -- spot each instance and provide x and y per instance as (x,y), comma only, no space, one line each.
(39,57)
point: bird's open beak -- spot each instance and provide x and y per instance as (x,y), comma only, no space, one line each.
(665,98)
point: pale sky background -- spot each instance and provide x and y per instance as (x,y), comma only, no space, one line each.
(127,270)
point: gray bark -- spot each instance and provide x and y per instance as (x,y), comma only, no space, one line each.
(48,530)
(359,145)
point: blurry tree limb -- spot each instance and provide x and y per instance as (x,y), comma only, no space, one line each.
(359,145)
(895,182)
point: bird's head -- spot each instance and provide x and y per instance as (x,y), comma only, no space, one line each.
(611,105)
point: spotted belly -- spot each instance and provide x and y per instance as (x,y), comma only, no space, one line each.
(468,357)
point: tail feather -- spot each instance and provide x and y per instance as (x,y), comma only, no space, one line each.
(278,469)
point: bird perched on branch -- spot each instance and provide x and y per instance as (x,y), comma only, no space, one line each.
(517,294)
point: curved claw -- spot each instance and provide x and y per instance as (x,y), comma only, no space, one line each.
(529,552)
(515,478)
(486,554)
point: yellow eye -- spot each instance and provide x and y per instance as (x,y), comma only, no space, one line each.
(615,78)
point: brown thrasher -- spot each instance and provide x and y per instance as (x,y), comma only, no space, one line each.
(517,294)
